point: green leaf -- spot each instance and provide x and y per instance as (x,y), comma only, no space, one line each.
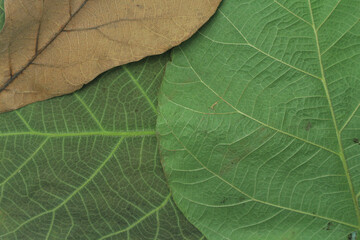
(2,14)
(260,121)
(86,165)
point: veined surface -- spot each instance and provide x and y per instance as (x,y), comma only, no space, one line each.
(260,121)
(86,165)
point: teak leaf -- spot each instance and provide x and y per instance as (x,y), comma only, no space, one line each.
(260,121)
(86,165)
(50,48)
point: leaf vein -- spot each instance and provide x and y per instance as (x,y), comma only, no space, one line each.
(89,111)
(326,89)
(249,196)
(349,119)
(155,210)
(267,54)
(291,12)
(137,84)
(250,117)
(26,161)
(327,17)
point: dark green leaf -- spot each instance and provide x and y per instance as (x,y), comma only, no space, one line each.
(86,165)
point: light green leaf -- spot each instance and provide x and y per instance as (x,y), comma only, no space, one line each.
(260,121)
(86,165)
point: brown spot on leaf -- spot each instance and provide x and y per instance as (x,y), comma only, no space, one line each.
(329,226)
(214,105)
(223,201)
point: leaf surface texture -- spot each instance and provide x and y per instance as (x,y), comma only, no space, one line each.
(86,165)
(260,121)
(50,48)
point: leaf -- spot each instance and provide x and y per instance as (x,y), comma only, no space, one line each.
(2,14)
(50,48)
(86,165)
(260,121)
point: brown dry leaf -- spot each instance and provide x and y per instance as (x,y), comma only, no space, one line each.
(53,47)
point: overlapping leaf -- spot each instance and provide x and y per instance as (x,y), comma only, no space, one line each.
(86,166)
(260,121)
(50,48)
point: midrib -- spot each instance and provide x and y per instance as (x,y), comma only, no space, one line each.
(341,149)
(79,134)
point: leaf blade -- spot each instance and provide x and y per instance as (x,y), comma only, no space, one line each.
(53,48)
(63,176)
(254,116)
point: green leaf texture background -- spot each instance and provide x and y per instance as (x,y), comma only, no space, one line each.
(260,121)
(86,165)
